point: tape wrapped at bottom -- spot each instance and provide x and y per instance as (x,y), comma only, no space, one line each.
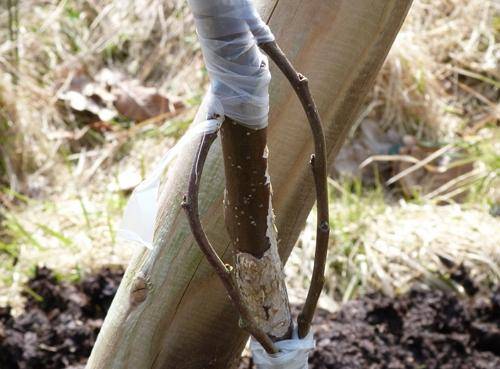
(293,353)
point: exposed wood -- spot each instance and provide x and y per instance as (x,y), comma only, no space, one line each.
(186,320)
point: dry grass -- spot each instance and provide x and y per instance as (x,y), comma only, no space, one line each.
(72,229)
(389,248)
(151,41)
(442,77)
(440,84)
(60,195)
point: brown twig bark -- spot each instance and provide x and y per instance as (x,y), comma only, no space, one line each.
(318,165)
(190,205)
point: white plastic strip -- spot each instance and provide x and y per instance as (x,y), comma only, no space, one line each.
(139,218)
(293,353)
(229,31)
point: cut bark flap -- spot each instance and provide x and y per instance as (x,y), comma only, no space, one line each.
(261,282)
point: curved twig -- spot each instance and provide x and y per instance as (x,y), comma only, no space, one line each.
(318,165)
(190,205)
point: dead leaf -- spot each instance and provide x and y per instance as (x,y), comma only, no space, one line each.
(139,103)
(111,94)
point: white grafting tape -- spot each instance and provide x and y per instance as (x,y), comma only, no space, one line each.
(229,31)
(293,353)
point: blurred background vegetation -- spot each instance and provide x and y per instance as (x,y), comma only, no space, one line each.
(93,92)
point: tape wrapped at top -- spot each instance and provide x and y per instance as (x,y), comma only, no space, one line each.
(229,31)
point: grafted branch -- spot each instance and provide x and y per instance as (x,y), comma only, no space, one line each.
(318,164)
(190,205)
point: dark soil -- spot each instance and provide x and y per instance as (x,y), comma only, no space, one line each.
(60,323)
(422,329)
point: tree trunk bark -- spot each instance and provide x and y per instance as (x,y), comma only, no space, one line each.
(171,310)
(250,222)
